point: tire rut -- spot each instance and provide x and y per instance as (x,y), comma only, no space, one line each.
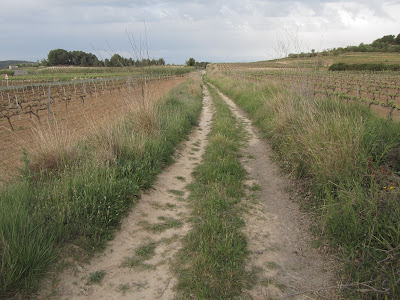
(281,258)
(137,263)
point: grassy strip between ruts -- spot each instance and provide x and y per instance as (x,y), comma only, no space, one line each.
(349,160)
(82,199)
(211,264)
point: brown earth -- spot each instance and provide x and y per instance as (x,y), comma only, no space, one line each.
(76,121)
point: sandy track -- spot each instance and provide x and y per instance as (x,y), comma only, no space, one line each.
(277,232)
(127,275)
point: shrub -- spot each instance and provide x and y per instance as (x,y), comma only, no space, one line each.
(363,67)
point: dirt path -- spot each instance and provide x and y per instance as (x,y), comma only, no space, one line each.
(136,265)
(280,253)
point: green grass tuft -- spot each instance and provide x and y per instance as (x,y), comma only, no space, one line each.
(212,260)
(181,178)
(176,192)
(146,251)
(350,161)
(167,223)
(255,187)
(83,200)
(142,253)
(96,277)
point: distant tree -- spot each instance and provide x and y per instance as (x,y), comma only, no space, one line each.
(383,42)
(362,47)
(313,53)
(161,62)
(387,39)
(58,57)
(125,62)
(119,61)
(191,62)
(44,62)
(89,60)
(145,62)
(387,43)
(397,40)
(76,57)
(116,60)
(202,64)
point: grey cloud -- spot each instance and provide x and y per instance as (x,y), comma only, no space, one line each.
(178,29)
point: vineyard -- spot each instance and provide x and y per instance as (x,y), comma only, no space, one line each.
(320,61)
(60,74)
(71,107)
(379,90)
(35,100)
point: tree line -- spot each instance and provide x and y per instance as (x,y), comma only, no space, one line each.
(387,43)
(363,67)
(80,58)
(191,62)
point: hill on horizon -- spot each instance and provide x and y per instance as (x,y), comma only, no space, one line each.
(5,63)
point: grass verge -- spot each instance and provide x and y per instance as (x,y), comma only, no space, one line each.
(211,263)
(83,197)
(349,160)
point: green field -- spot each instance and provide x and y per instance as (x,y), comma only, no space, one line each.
(55,74)
(321,61)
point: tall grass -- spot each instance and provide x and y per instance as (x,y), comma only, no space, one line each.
(82,195)
(211,264)
(349,160)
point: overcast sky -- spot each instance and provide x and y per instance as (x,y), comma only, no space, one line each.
(209,30)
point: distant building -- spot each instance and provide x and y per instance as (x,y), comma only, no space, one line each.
(13,67)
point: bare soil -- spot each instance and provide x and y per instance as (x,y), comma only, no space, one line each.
(282,259)
(76,120)
(158,222)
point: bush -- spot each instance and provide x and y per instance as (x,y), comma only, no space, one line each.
(6,71)
(363,67)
